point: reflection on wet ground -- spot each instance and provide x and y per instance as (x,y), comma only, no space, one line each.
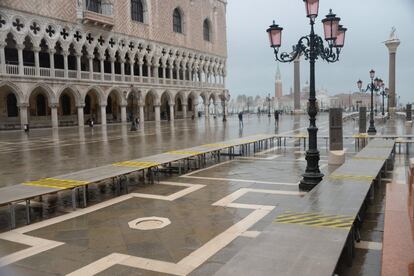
(200,238)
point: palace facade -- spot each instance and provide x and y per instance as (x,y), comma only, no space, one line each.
(64,62)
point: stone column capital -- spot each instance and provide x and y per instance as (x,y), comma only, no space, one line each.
(52,51)
(20,46)
(392,45)
(53,105)
(23,105)
(82,105)
(36,49)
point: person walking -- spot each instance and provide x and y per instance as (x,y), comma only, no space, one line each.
(277,117)
(91,122)
(137,122)
(241,119)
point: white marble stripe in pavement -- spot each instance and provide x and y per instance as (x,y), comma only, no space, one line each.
(369,245)
(241,180)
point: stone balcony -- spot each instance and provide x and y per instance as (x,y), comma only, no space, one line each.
(52,75)
(98,19)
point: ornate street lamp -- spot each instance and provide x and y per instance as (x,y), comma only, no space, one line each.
(383,93)
(373,86)
(312,47)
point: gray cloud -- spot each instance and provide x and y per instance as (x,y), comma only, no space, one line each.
(251,67)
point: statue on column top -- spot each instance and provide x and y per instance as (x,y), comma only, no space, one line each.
(393,36)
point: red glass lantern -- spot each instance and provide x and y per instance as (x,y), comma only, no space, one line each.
(312,7)
(275,35)
(340,38)
(331,26)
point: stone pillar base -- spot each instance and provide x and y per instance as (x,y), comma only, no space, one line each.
(336,157)
(298,111)
(392,112)
(408,123)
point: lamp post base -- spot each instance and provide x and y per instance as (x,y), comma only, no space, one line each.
(224,118)
(372,130)
(310,180)
(312,175)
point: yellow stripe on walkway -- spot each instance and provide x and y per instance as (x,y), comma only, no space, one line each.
(350,176)
(133,164)
(370,158)
(315,220)
(56,183)
(362,135)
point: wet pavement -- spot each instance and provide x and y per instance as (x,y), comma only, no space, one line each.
(47,152)
(211,223)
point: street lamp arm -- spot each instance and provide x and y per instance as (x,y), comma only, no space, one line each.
(326,53)
(301,47)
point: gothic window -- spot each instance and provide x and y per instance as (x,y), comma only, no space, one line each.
(40,105)
(65,105)
(177,21)
(206,30)
(12,110)
(94,5)
(137,10)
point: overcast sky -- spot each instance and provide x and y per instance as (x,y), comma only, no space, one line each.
(251,66)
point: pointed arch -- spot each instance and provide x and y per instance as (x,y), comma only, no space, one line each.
(79,100)
(15,89)
(46,88)
(99,93)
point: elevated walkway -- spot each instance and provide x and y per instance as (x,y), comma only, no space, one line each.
(309,239)
(80,180)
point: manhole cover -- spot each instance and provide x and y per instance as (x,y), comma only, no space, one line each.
(149,223)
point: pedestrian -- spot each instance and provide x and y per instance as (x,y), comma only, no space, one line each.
(91,122)
(137,122)
(241,119)
(134,125)
(277,117)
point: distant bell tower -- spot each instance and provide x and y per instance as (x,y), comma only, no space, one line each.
(278,84)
